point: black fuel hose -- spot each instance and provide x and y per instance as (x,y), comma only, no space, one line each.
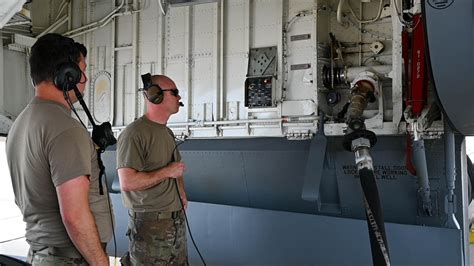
(375,221)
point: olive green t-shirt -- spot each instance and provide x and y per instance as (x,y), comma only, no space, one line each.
(45,148)
(147,146)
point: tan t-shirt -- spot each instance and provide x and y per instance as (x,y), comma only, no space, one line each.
(46,147)
(147,146)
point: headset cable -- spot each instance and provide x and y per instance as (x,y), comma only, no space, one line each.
(71,105)
(182,205)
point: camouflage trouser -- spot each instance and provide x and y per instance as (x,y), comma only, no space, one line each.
(156,239)
(49,257)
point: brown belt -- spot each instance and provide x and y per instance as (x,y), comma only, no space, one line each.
(154,215)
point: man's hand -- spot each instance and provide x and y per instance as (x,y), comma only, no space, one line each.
(182,192)
(175,169)
(184,199)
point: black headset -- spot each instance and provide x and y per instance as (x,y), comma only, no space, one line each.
(153,92)
(67,76)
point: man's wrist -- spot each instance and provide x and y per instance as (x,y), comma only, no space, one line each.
(100,260)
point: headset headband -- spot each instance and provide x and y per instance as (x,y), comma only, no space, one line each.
(146,79)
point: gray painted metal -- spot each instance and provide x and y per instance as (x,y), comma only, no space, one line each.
(242,236)
(450,32)
(228,235)
(314,165)
(450,166)
(262,62)
(268,173)
(251,210)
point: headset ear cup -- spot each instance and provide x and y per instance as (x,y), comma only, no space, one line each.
(67,76)
(154,94)
(157,99)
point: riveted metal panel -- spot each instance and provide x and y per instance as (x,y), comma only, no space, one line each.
(266,29)
(149,33)
(175,33)
(235,22)
(204,19)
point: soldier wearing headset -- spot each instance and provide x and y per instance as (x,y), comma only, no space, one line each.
(151,175)
(53,163)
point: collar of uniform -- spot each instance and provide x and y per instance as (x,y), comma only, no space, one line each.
(37,100)
(154,124)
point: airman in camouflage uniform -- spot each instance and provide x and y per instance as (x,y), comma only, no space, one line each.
(150,173)
(54,166)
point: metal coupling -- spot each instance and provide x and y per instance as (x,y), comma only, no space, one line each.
(361,149)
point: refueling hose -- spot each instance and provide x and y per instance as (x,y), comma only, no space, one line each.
(360,142)
(375,221)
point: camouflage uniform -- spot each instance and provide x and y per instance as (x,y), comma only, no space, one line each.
(157,229)
(51,256)
(156,239)
(55,256)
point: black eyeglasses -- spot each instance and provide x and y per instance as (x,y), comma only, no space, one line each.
(154,89)
(174,91)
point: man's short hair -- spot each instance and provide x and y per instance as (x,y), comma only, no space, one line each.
(49,52)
